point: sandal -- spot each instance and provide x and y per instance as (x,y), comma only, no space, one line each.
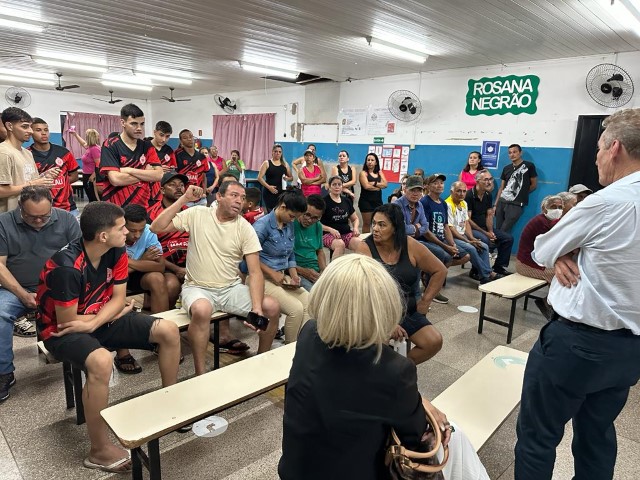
(119,466)
(127,360)
(233,347)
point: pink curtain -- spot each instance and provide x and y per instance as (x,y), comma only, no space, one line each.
(104,124)
(253,135)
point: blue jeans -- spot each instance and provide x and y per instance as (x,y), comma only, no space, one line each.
(504,242)
(439,252)
(10,309)
(306,284)
(479,260)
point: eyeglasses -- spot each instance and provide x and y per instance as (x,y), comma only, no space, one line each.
(32,218)
(312,218)
(490,179)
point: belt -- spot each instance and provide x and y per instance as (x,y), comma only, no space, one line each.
(583,326)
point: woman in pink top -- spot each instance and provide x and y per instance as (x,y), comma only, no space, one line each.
(90,160)
(311,175)
(468,173)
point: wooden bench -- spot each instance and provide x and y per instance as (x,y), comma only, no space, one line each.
(147,418)
(481,399)
(512,287)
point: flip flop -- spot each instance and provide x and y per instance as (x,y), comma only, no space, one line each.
(115,467)
(127,360)
(233,347)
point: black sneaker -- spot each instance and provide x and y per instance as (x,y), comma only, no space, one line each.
(280,334)
(475,275)
(439,298)
(7,381)
(502,271)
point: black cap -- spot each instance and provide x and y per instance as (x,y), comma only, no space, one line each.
(171,174)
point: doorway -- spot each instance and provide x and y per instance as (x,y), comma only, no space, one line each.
(583,163)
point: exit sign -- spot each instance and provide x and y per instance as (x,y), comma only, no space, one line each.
(378,139)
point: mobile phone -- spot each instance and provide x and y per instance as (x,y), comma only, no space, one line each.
(258,321)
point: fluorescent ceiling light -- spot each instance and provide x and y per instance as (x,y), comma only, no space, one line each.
(47,54)
(72,66)
(21,24)
(164,78)
(133,79)
(270,71)
(131,86)
(396,50)
(33,81)
(25,74)
(165,71)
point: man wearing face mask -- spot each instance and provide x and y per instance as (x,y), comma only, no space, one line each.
(29,235)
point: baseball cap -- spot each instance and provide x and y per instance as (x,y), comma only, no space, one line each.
(414,181)
(171,174)
(579,188)
(309,151)
(434,177)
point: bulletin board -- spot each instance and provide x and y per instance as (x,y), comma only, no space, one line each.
(394,160)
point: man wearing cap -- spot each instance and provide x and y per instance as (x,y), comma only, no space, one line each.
(517,180)
(416,223)
(580,191)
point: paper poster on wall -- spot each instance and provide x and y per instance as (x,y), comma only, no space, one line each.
(394,160)
(378,120)
(490,151)
(353,121)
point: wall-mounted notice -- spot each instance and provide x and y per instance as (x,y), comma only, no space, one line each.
(353,121)
(394,160)
(500,95)
(380,121)
(490,151)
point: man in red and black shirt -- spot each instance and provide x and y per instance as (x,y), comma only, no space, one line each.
(128,162)
(174,244)
(192,163)
(161,135)
(82,314)
(49,156)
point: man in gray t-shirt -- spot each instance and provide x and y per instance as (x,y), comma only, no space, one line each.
(29,236)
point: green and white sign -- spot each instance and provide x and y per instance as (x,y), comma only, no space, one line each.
(500,95)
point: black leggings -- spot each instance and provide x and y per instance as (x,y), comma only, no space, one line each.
(88,187)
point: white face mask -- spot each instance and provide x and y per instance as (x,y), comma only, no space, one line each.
(553,214)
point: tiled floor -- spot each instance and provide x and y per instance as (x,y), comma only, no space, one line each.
(39,438)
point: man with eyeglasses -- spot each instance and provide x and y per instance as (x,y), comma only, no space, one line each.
(481,214)
(310,258)
(29,235)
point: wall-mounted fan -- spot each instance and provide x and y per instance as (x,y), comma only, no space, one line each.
(111,100)
(225,103)
(609,85)
(172,100)
(17,97)
(60,88)
(405,105)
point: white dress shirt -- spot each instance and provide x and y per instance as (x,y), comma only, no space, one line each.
(606,228)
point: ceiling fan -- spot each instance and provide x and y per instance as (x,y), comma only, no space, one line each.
(60,88)
(111,101)
(171,99)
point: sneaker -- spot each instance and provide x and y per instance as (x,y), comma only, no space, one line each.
(280,334)
(475,275)
(185,428)
(22,327)
(7,381)
(439,298)
(502,271)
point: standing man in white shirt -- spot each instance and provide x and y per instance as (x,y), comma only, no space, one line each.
(588,355)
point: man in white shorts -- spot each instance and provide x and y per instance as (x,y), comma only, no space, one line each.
(218,239)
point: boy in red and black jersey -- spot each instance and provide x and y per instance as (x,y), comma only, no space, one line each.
(48,157)
(82,314)
(192,163)
(174,244)
(128,162)
(161,135)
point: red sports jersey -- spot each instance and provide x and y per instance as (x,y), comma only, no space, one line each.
(174,244)
(58,156)
(69,279)
(167,158)
(252,215)
(195,168)
(114,155)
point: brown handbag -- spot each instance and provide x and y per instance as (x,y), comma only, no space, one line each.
(404,464)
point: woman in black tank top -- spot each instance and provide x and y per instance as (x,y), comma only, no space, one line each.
(404,258)
(270,177)
(372,181)
(347,174)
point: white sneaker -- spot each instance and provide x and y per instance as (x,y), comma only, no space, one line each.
(24,328)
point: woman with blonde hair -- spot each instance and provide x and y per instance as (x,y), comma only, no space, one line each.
(347,388)
(90,160)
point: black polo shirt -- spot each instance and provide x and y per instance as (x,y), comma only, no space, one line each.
(27,249)
(478,207)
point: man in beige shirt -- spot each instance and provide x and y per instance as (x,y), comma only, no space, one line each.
(17,168)
(218,239)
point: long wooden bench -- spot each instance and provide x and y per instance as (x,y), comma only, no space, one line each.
(482,399)
(147,418)
(512,287)
(72,375)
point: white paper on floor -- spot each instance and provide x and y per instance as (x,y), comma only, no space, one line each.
(467,309)
(210,427)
